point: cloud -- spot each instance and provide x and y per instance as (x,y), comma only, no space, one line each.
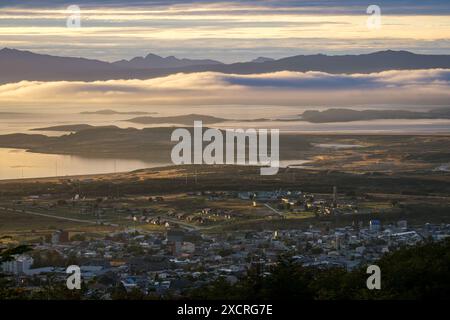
(311,80)
(229,31)
(415,87)
(315,6)
(325,81)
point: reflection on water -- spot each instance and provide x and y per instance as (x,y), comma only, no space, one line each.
(337,145)
(293,163)
(17,164)
(22,123)
(388,126)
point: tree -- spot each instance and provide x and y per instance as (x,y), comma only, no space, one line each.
(9,253)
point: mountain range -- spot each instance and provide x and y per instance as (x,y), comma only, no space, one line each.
(17,65)
(153,61)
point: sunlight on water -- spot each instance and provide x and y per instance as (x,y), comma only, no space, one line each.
(17,164)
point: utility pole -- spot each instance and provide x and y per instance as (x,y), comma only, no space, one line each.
(334,196)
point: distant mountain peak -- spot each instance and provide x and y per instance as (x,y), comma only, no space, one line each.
(7,50)
(392,52)
(262,60)
(153,61)
(152,55)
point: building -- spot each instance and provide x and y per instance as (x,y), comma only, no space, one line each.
(375,225)
(403,224)
(20,265)
(60,236)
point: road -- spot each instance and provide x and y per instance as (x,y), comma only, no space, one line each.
(274,210)
(17,211)
(182,224)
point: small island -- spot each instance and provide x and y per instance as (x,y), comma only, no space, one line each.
(347,115)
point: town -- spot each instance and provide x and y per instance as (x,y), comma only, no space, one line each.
(165,245)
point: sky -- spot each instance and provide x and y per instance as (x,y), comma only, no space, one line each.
(239,30)
(227,31)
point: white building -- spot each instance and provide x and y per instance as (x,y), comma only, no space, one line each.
(21,264)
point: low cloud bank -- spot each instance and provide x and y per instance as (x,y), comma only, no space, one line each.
(407,87)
